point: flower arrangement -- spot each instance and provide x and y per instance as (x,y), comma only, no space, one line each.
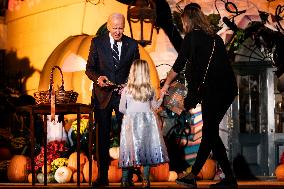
(54,151)
(83,126)
(58,162)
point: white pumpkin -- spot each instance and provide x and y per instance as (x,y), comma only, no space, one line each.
(173,176)
(63,174)
(40,177)
(114,152)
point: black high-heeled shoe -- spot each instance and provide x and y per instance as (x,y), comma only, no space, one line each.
(226,184)
(188,180)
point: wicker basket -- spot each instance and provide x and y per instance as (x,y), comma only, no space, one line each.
(61,96)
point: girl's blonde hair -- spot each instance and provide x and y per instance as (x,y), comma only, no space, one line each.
(194,18)
(139,84)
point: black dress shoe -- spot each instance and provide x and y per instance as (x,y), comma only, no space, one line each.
(126,184)
(189,182)
(131,183)
(146,183)
(99,183)
(225,184)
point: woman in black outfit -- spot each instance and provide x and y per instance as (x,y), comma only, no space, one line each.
(218,90)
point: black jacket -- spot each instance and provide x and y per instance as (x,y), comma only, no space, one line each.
(194,56)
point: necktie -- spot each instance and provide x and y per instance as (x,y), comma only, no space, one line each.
(115,54)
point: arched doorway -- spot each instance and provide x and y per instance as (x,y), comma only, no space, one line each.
(71,56)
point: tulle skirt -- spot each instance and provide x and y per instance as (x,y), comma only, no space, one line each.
(141,141)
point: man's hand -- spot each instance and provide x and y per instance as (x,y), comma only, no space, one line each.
(103,81)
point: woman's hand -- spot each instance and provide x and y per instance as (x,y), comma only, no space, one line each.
(164,89)
(172,74)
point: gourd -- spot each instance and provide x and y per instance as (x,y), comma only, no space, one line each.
(30,178)
(40,177)
(114,152)
(172,176)
(72,161)
(17,169)
(160,172)
(63,174)
(94,171)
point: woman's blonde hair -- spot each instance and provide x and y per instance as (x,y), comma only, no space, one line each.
(139,84)
(194,18)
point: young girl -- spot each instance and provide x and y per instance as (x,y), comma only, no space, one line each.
(141,142)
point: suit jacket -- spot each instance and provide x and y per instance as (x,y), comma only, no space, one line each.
(100,62)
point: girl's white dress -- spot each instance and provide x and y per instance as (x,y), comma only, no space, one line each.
(141,141)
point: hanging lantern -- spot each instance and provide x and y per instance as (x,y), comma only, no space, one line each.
(141,16)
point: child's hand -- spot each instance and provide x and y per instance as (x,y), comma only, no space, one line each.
(121,88)
(164,89)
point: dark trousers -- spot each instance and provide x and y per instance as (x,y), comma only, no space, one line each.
(103,129)
(213,112)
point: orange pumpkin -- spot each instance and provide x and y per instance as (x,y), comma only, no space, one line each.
(48,166)
(114,162)
(72,161)
(17,169)
(208,170)
(114,174)
(279,172)
(74,178)
(160,172)
(94,171)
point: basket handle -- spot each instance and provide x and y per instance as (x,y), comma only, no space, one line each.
(51,78)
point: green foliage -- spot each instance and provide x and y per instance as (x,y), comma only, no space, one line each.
(238,39)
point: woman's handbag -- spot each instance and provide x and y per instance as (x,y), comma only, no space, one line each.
(174,100)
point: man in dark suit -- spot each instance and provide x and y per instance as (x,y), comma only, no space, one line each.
(108,65)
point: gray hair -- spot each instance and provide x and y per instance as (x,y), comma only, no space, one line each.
(114,16)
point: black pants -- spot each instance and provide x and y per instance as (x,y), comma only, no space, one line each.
(213,112)
(103,129)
